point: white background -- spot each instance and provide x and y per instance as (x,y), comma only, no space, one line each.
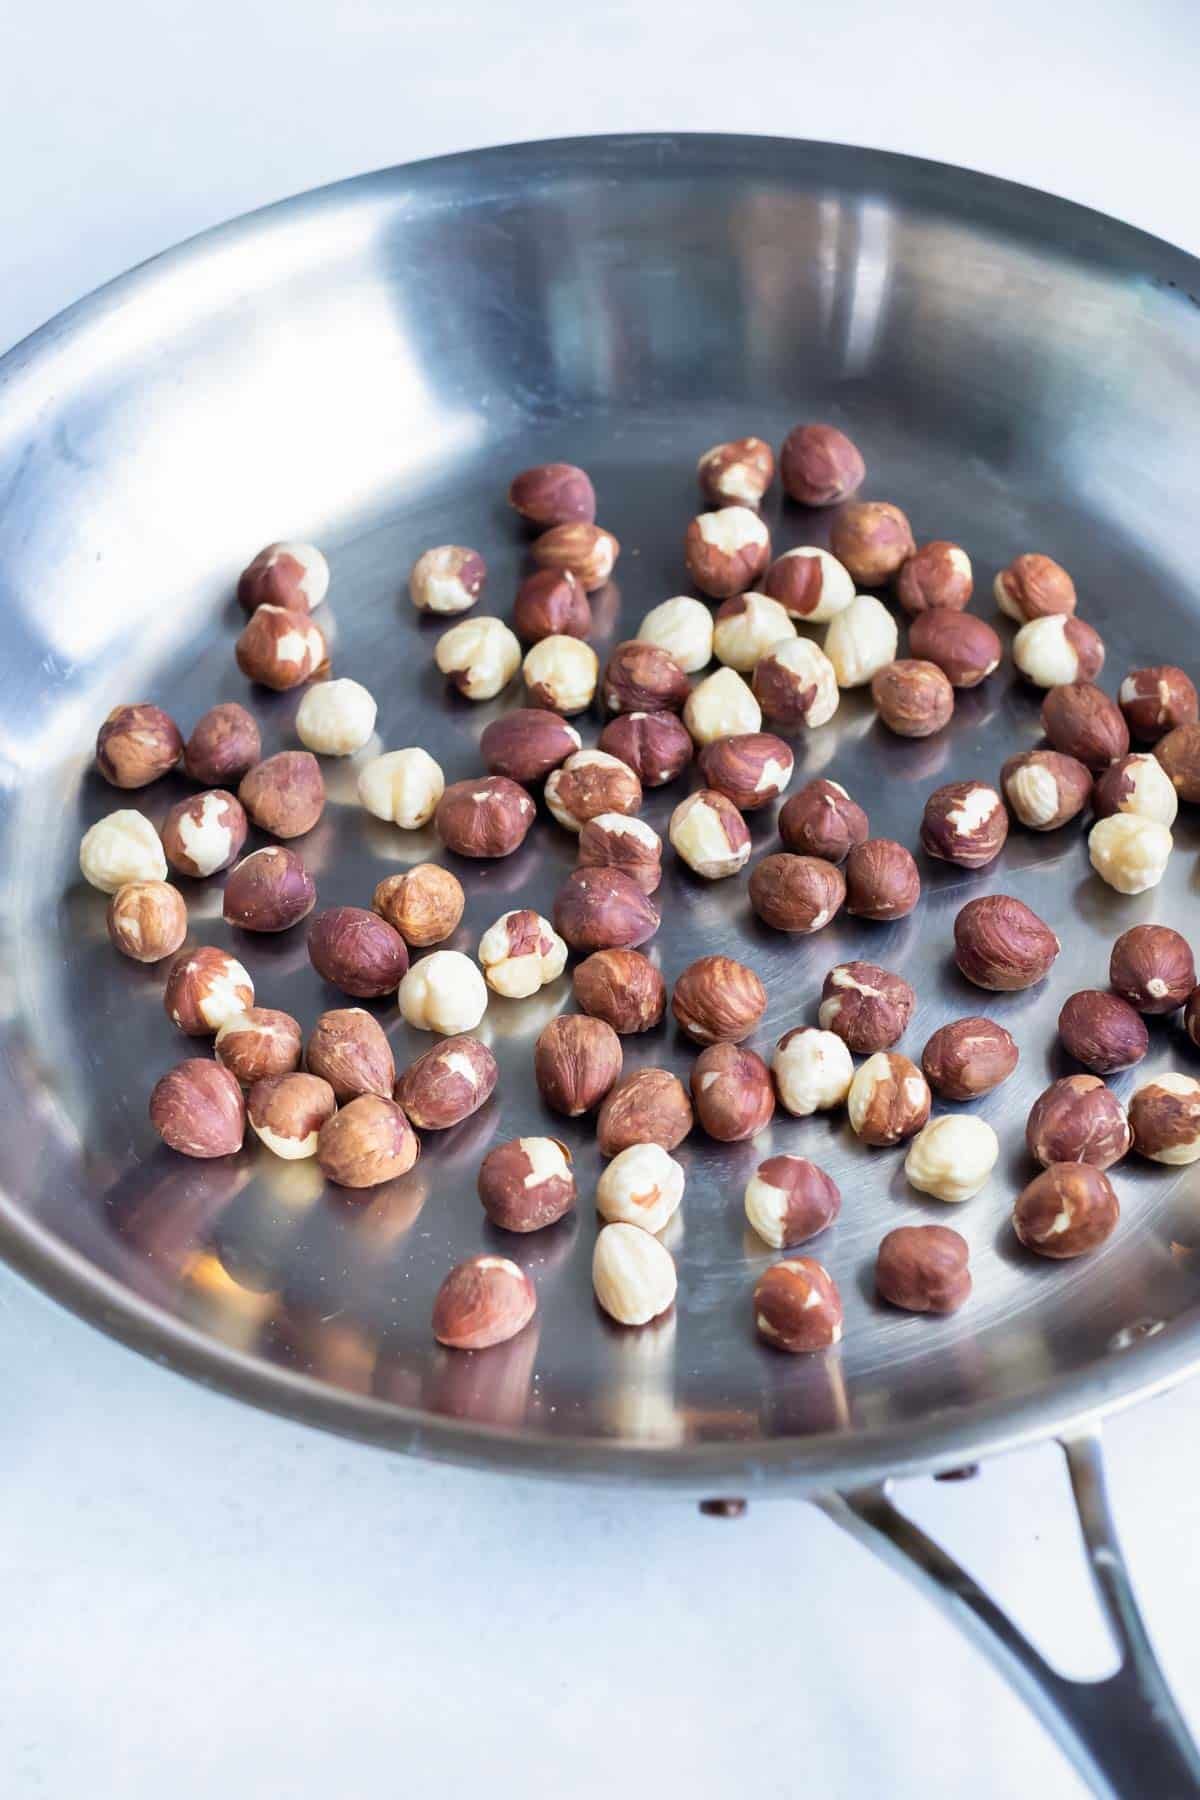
(195,1599)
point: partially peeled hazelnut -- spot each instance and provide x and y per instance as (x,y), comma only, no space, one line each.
(521,953)
(527,1184)
(709,833)
(737,473)
(483,1302)
(872,538)
(1032,587)
(367,1142)
(137,744)
(205,987)
(935,578)
(447,1084)
(797,1306)
(286,1113)
(447,579)
(889,1099)
(258,1043)
(269,890)
(789,1200)
(726,551)
(751,769)
(585,549)
(287,574)
(280,649)
(147,920)
(732,1092)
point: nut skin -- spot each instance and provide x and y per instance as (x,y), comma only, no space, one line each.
(584,549)
(368,1142)
(623,988)
(965,823)
(737,473)
(1078,1119)
(642,678)
(797,1306)
(1081,721)
(287,574)
(732,1092)
(935,578)
(285,794)
(709,834)
(889,1099)
(527,744)
(795,684)
(873,539)
(812,1069)
(224,744)
(527,1184)
(1179,754)
(603,909)
(822,820)
(656,746)
(357,951)
(1045,789)
(447,1084)
(796,893)
(348,1048)
(819,465)
(726,551)
(486,817)
(633,1274)
(650,1106)
(147,920)
(1137,783)
(551,603)
(482,1302)
(197,1109)
(556,493)
(204,834)
(1032,587)
(1152,967)
(1164,1116)
(576,1060)
(868,1007)
(269,890)
(789,1200)
(280,648)
(258,1043)
(205,987)
(1001,944)
(1102,1031)
(964,647)
(1154,701)
(614,840)
(286,1112)
(1057,649)
(967,1058)
(589,783)
(136,744)
(914,699)
(1067,1210)
(923,1269)
(751,769)
(447,579)
(425,904)
(718,1000)
(882,880)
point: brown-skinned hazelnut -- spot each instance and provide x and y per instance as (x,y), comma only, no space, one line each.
(291,575)
(269,890)
(751,769)
(1139,784)
(732,1092)
(1191,1016)
(285,794)
(718,1000)
(1152,967)
(448,1083)
(873,539)
(1179,754)
(822,820)
(965,823)
(789,1200)
(224,744)
(882,880)
(797,1306)
(257,1043)
(889,1099)
(868,1007)
(650,1106)
(968,1057)
(204,834)
(710,835)
(488,816)
(726,551)
(964,648)
(656,746)
(616,841)
(147,920)
(286,1113)
(1081,721)
(603,909)
(197,1109)
(796,893)
(555,493)
(1164,1116)
(819,465)
(623,988)
(205,987)
(1001,944)
(1078,1119)
(368,1142)
(527,744)
(1102,1031)
(1058,649)
(357,951)
(795,684)
(280,648)
(348,1048)
(914,699)
(482,1302)
(587,551)
(425,904)
(527,1184)
(935,578)
(640,677)
(447,579)
(1066,1211)
(737,473)
(1045,789)
(1156,700)
(1033,587)
(551,603)
(576,1060)
(589,783)
(136,744)
(923,1269)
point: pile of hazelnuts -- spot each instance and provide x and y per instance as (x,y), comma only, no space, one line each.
(338,1097)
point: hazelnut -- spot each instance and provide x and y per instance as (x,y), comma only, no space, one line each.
(269,890)
(822,820)
(710,835)
(1179,754)
(147,920)
(1002,945)
(913,699)
(1191,1016)
(120,848)
(136,744)
(1045,789)
(425,904)
(738,473)
(589,783)
(683,627)
(554,493)
(746,627)
(197,1109)
(1102,1031)
(813,1070)
(483,1301)
(796,684)
(718,1000)
(527,744)
(968,1057)
(642,678)
(205,987)
(357,951)
(732,1092)
(796,893)
(1078,1119)
(923,1269)
(952,1157)
(1081,721)
(797,1306)
(614,840)
(367,1142)
(480,656)
(872,538)
(648,1107)
(640,1186)
(809,584)
(287,1112)
(889,1099)
(1152,967)
(633,1274)
(1067,1210)
(288,574)
(861,640)
(1057,649)
(561,673)
(721,706)
(204,833)
(1164,1117)
(1135,784)
(588,552)
(1129,852)
(447,579)
(603,909)
(882,880)
(1154,701)
(280,649)
(964,823)
(225,742)
(551,603)
(488,816)
(819,465)
(284,795)
(527,1184)
(348,1048)
(336,718)
(621,987)
(447,1084)
(965,648)
(257,1043)
(656,746)
(935,578)
(521,953)
(443,992)
(1033,587)
(726,551)
(789,1200)
(402,787)
(868,1007)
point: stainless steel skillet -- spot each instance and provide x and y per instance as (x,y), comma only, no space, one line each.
(365,366)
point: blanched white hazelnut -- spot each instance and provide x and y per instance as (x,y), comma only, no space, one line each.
(1129,852)
(683,627)
(811,583)
(403,787)
(561,674)
(746,626)
(813,1070)
(861,640)
(480,656)
(721,706)
(640,1186)
(444,992)
(335,718)
(521,953)
(121,847)
(710,834)
(447,579)
(633,1275)
(952,1157)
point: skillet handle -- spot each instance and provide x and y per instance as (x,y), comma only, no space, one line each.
(1125,1734)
